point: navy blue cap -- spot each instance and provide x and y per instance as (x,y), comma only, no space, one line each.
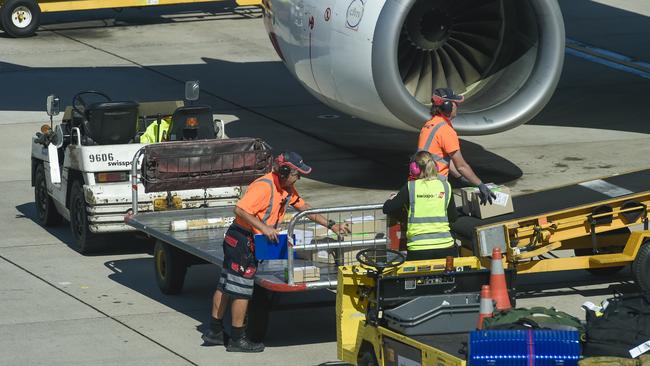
(448,94)
(294,161)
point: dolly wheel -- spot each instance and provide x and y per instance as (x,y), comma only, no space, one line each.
(170,268)
(20,18)
(641,267)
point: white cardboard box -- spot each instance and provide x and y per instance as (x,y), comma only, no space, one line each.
(304,274)
(501,205)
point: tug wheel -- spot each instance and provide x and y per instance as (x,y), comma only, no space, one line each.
(20,18)
(47,214)
(85,241)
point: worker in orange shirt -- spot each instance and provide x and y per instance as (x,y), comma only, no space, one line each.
(438,137)
(258,212)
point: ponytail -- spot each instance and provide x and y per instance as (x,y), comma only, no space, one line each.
(427,165)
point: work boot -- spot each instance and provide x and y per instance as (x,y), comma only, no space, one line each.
(212,338)
(243,344)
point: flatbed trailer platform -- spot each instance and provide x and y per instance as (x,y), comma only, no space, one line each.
(206,244)
(203,164)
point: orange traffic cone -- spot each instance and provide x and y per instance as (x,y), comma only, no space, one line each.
(487,308)
(498,282)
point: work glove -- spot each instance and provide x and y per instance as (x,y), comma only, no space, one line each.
(486,194)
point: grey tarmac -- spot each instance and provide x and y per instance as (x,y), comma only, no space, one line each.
(61,308)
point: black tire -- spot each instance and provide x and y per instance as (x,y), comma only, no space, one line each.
(85,241)
(641,267)
(606,271)
(257,317)
(170,267)
(367,356)
(20,18)
(45,210)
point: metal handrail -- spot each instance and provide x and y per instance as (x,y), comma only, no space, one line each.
(134,181)
(78,131)
(340,244)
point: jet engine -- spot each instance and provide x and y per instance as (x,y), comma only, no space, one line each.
(381,60)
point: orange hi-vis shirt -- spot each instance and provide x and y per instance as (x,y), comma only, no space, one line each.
(267,200)
(438,137)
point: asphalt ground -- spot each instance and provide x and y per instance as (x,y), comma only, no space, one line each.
(62,308)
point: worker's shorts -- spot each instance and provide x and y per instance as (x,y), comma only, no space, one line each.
(235,285)
(239,264)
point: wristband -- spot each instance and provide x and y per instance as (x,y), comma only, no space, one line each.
(330,224)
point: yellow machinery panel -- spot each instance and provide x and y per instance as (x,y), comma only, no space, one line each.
(354,334)
(528,239)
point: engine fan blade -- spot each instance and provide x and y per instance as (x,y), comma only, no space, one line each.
(485,44)
(489,28)
(453,77)
(424,89)
(467,72)
(438,80)
(479,60)
(405,61)
(413,75)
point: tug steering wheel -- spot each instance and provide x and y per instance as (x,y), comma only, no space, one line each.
(380,258)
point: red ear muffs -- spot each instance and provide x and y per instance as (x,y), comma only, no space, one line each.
(284,171)
(414,169)
(437,100)
(284,168)
(447,107)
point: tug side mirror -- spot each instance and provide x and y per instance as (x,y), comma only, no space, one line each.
(192,90)
(57,137)
(53,105)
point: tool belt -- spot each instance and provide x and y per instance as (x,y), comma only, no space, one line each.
(239,251)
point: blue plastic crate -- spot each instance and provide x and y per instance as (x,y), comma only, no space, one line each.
(265,249)
(524,347)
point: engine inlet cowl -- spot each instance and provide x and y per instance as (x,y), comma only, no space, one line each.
(504,56)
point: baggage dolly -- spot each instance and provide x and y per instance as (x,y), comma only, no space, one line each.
(231,162)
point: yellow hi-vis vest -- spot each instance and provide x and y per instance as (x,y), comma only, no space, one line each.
(428,225)
(149,135)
